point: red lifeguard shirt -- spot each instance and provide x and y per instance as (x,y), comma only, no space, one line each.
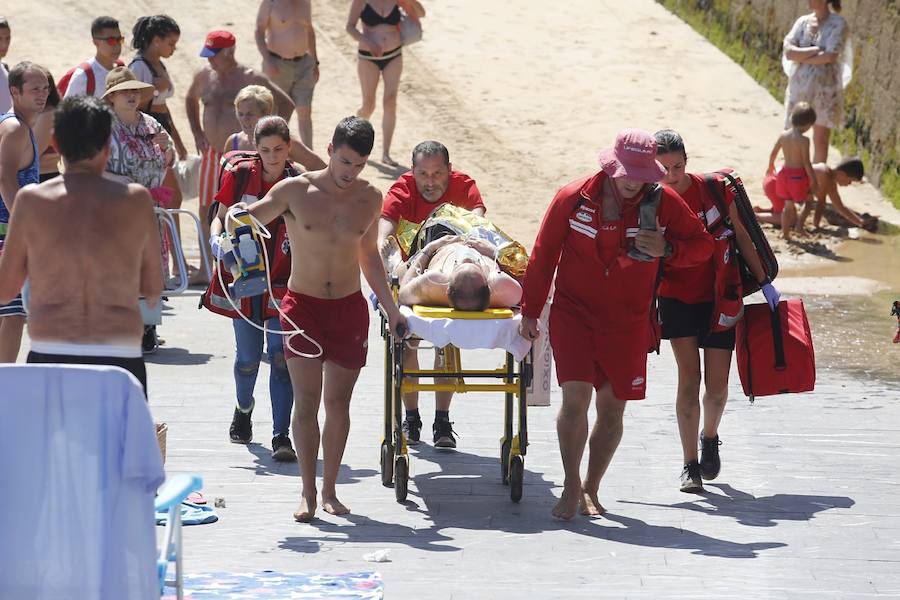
(225,195)
(693,285)
(403,200)
(257,187)
(608,293)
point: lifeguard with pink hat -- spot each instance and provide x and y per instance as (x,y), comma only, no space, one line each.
(603,316)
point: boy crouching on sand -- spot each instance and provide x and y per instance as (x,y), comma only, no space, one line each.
(795,183)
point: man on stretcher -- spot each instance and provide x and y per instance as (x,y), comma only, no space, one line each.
(457,271)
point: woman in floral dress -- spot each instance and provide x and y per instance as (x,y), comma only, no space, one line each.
(140,152)
(817,59)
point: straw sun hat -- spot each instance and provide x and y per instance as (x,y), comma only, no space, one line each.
(121,79)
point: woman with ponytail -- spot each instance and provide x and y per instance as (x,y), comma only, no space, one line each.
(817,60)
(154,38)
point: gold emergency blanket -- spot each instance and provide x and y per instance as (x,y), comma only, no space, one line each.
(511,255)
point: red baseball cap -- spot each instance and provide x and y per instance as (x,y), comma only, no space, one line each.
(217,40)
(633,156)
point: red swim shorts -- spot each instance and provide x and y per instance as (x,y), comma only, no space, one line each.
(582,354)
(792,184)
(340,326)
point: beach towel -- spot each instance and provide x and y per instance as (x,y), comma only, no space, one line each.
(191,514)
(272,585)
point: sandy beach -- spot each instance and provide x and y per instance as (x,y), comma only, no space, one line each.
(523,101)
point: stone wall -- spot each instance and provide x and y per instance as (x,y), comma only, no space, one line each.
(751,32)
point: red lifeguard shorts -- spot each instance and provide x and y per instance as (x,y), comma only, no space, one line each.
(792,184)
(582,354)
(340,326)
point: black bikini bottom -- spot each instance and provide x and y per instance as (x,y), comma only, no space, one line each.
(384,60)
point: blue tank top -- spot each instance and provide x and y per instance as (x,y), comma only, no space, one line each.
(30,174)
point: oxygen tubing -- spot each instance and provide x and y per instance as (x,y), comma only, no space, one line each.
(263,232)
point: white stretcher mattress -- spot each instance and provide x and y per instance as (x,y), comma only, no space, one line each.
(470,334)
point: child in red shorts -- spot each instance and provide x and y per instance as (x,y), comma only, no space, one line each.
(795,183)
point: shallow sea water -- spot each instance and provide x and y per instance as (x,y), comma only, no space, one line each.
(852,333)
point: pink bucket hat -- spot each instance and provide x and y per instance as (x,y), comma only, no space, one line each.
(633,156)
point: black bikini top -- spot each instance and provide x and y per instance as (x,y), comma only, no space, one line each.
(371,17)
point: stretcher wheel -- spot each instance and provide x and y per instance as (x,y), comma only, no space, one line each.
(387,464)
(516,478)
(401,478)
(504,461)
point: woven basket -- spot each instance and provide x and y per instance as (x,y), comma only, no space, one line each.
(161,430)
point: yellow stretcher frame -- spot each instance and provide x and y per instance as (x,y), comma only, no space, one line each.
(515,375)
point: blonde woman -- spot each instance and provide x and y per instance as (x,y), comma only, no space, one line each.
(252,104)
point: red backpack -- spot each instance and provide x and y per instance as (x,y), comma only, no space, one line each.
(63,84)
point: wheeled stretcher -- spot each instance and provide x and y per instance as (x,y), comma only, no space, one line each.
(449,330)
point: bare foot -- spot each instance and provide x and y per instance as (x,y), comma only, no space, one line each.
(306,511)
(801,232)
(333,506)
(389,161)
(567,506)
(590,505)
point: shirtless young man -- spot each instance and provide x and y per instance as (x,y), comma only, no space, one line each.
(332,222)
(287,42)
(19,166)
(216,85)
(83,305)
(458,272)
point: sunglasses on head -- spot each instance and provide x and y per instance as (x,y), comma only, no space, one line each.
(111,40)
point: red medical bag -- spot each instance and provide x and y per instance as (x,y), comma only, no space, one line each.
(775,350)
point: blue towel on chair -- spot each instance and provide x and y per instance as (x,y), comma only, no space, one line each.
(191,514)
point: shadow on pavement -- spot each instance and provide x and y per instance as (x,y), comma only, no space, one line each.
(640,533)
(466,493)
(177,356)
(264,464)
(751,511)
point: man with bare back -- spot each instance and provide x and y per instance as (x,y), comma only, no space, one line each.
(332,222)
(83,306)
(287,42)
(216,85)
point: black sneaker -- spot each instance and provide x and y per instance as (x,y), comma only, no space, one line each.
(709,457)
(444,434)
(690,478)
(241,430)
(412,430)
(149,343)
(282,451)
